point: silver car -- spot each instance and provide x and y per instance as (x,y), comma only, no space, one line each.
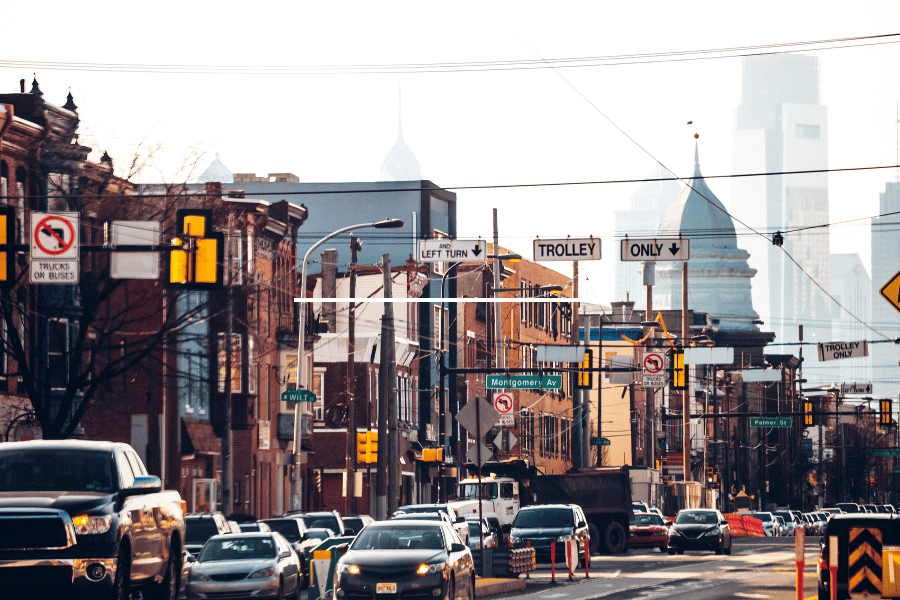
(245,564)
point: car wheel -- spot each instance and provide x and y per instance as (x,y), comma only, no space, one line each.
(451,589)
(167,589)
(594,535)
(663,549)
(680,552)
(671,551)
(615,537)
(298,590)
(728,548)
(471,593)
(280,595)
(122,581)
(720,549)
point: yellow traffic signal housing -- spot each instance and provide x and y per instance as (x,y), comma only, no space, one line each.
(8,237)
(808,417)
(362,446)
(372,447)
(585,379)
(885,416)
(197,257)
(679,373)
(433,454)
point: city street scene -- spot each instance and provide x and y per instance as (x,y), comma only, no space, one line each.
(410,301)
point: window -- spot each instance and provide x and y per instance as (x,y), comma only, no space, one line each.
(237,258)
(235,362)
(57,353)
(440,268)
(4,191)
(564,437)
(20,211)
(252,365)
(808,132)
(318,388)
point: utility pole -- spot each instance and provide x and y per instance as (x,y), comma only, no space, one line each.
(578,403)
(393,408)
(381,484)
(350,504)
(685,394)
(649,270)
(229,327)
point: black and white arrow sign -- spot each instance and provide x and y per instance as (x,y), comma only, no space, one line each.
(656,249)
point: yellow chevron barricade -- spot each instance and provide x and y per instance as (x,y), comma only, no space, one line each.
(890,560)
(864,562)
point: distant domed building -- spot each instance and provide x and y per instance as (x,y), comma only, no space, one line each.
(718,273)
(216,171)
(400,164)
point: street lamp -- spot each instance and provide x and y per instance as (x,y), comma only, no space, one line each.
(301,338)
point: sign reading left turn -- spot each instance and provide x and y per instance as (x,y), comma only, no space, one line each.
(54,248)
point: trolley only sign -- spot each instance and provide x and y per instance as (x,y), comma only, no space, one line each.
(54,247)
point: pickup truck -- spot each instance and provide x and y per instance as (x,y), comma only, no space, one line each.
(86,518)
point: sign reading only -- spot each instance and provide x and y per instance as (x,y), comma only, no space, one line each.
(567,249)
(656,249)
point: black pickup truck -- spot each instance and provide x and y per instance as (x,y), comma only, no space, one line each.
(85,517)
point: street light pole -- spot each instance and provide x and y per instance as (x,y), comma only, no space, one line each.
(301,339)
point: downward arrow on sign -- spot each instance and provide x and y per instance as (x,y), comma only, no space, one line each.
(674,249)
(477,250)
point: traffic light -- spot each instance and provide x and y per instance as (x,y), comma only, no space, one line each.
(8,237)
(709,474)
(885,416)
(585,379)
(362,448)
(808,415)
(433,454)
(679,374)
(197,256)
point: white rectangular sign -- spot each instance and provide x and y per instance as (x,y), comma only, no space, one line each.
(708,356)
(444,250)
(554,353)
(761,375)
(54,271)
(856,388)
(656,249)
(134,265)
(567,249)
(836,350)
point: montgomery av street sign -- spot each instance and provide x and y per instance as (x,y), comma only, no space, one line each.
(298,396)
(656,249)
(836,350)
(770,421)
(524,382)
(600,441)
(443,250)
(886,452)
(567,249)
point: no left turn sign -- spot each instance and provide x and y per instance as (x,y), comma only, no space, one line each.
(503,402)
(54,236)
(654,363)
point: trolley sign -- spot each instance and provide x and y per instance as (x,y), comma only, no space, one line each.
(54,248)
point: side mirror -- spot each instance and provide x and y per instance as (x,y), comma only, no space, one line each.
(192,559)
(349,531)
(143,484)
(581,524)
(455,547)
(460,520)
(285,554)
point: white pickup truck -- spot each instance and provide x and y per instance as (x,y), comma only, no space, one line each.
(500,498)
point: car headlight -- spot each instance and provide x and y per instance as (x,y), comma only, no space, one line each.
(198,576)
(91,524)
(351,569)
(262,573)
(564,538)
(713,531)
(515,539)
(674,532)
(426,569)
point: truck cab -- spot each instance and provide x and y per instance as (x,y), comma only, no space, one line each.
(500,498)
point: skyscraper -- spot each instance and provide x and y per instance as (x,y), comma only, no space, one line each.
(781,126)
(885,264)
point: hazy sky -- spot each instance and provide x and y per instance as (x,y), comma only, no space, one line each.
(466,124)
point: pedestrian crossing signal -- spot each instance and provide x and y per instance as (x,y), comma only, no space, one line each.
(197,256)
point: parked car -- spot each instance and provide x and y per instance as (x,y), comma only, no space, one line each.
(202,526)
(320,533)
(790,520)
(648,530)
(699,529)
(640,507)
(356,522)
(770,526)
(406,558)
(782,526)
(254,526)
(849,507)
(250,564)
(476,533)
(459,523)
(329,519)
(429,516)
(541,525)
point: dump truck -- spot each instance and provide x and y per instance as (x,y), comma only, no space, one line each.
(604,494)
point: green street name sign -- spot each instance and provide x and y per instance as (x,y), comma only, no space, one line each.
(600,442)
(886,452)
(298,396)
(524,382)
(770,421)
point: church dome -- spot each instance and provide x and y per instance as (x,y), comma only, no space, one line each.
(718,273)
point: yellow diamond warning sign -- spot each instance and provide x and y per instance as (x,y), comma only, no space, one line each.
(891,291)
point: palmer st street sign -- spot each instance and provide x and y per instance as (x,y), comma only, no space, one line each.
(770,421)
(524,382)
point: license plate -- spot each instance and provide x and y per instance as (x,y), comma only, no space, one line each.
(385,588)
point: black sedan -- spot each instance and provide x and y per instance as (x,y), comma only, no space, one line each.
(406,559)
(699,529)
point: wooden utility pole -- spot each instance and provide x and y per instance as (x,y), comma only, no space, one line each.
(350,504)
(578,412)
(381,487)
(229,327)
(685,394)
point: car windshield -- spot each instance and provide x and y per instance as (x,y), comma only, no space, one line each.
(421,509)
(238,548)
(419,516)
(764,517)
(46,470)
(355,523)
(469,491)
(544,517)
(474,530)
(286,527)
(198,530)
(647,519)
(695,518)
(320,522)
(398,538)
